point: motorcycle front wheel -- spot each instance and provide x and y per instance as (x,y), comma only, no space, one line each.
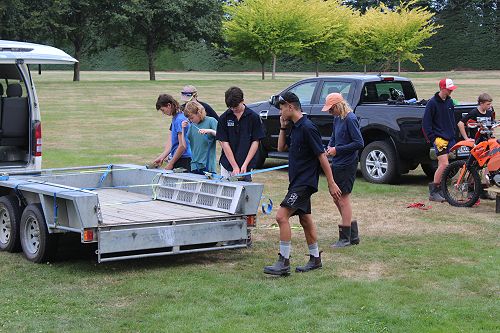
(464,191)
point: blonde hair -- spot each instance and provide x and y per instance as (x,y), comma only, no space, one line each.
(195,108)
(343,108)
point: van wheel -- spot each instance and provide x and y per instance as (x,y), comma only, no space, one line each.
(379,163)
(38,245)
(10,215)
(260,157)
(429,169)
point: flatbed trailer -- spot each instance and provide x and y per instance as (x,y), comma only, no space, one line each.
(128,210)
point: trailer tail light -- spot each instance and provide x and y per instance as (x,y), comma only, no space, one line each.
(37,139)
(251,221)
(88,235)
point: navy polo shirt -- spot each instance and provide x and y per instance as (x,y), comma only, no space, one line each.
(239,134)
(304,146)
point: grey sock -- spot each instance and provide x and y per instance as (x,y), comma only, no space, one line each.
(314,250)
(285,248)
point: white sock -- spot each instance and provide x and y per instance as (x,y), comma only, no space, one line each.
(314,250)
(285,248)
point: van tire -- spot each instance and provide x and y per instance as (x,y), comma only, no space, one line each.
(38,245)
(260,157)
(380,163)
(10,216)
(429,169)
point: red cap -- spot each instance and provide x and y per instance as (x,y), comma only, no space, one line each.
(447,84)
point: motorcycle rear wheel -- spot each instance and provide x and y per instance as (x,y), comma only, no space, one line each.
(463,194)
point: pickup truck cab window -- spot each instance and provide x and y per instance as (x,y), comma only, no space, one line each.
(334,87)
(304,91)
(374,92)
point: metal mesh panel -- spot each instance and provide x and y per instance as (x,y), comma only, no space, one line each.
(209,188)
(228,191)
(200,192)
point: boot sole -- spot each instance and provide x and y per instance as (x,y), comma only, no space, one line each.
(280,273)
(297,270)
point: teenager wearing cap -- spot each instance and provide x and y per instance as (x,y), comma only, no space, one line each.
(306,156)
(190,93)
(344,145)
(438,126)
(239,131)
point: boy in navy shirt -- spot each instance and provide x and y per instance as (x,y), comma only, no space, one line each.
(438,125)
(306,156)
(344,145)
(239,131)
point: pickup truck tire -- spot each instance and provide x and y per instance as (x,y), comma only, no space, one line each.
(10,216)
(379,163)
(429,169)
(260,157)
(38,245)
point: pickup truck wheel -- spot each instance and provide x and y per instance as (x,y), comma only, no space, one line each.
(429,169)
(379,163)
(260,157)
(38,245)
(10,215)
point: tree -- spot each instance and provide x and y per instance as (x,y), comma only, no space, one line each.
(326,38)
(403,31)
(260,29)
(148,25)
(79,23)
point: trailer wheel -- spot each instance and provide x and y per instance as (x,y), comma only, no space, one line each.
(10,215)
(38,245)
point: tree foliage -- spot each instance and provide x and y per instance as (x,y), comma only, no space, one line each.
(150,24)
(403,32)
(263,29)
(326,37)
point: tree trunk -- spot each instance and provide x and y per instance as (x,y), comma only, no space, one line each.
(151,64)
(274,67)
(262,63)
(399,65)
(365,68)
(76,66)
(151,48)
(317,68)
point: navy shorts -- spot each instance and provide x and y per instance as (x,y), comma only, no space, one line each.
(299,200)
(344,176)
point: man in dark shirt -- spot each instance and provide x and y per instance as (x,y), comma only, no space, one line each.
(190,93)
(239,131)
(306,156)
(439,128)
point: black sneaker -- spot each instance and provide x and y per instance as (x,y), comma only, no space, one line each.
(281,267)
(313,263)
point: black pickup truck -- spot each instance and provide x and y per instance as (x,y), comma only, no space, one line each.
(389,115)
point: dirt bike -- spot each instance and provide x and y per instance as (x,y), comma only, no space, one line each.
(461,180)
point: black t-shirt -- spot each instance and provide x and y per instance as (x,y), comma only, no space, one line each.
(474,114)
(304,145)
(240,134)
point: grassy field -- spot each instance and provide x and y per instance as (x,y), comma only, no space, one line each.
(414,271)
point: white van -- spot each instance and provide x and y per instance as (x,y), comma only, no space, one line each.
(20,123)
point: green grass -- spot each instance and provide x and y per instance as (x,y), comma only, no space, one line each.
(414,271)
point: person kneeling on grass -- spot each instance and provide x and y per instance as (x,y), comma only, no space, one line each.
(306,156)
(344,145)
(201,136)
